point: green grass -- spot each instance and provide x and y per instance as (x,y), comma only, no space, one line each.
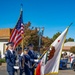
(2,60)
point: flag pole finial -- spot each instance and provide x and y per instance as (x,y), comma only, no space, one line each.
(21,7)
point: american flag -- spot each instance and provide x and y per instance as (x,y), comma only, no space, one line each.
(16,34)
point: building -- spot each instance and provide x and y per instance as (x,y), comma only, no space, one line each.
(68,46)
(4,38)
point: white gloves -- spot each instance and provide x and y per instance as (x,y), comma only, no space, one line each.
(38,56)
(22,54)
(36,60)
(16,67)
(17,60)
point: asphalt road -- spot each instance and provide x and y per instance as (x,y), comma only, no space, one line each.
(61,72)
(66,72)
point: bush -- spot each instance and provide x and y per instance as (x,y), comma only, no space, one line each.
(2,60)
(72,50)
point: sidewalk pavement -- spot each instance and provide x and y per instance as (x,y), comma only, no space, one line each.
(3,67)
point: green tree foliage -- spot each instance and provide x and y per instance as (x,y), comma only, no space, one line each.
(69,39)
(31,36)
(72,50)
(55,36)
(47,41)
(58,33)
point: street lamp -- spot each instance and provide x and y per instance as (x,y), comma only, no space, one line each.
(40,33)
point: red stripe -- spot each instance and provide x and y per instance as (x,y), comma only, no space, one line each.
(22,32)
(38,69)
(17,38)
(22,26)
(19,32)
(13,35)
(16,35)
(16,43)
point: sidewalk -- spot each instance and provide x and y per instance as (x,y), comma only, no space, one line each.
(3,66)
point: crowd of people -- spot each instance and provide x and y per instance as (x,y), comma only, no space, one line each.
(20,61)
(69,58)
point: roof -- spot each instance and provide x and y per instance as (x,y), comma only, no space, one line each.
(66,48)
(69,44)
(5,33)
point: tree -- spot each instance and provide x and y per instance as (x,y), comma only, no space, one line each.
(72,50)
(55,36)
(69,39)
(58,33)
(30,36)
(47,41)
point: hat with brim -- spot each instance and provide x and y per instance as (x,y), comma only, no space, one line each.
(9,43)
(30,45)
(25,49)
(19,48)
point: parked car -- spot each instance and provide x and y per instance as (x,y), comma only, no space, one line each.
(73,65)
(63,64)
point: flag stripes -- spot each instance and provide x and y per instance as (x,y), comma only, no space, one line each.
(17,32)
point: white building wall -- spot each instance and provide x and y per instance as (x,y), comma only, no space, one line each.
(2,42)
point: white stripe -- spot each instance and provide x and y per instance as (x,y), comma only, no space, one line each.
(16,37)
(17,41)
(22,27)
(13,35)
(20,31)
(42,64)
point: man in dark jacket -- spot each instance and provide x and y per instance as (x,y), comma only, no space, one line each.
(33,56)
(10,58)
(20,60)
(28,60)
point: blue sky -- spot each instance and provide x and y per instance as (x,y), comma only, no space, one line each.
(54,15)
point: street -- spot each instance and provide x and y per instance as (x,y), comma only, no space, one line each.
(66,72)
(61,72)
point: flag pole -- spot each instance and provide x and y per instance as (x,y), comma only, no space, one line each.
(22,43)
(22,34)
(40,57)
(18,71)
(70,25)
